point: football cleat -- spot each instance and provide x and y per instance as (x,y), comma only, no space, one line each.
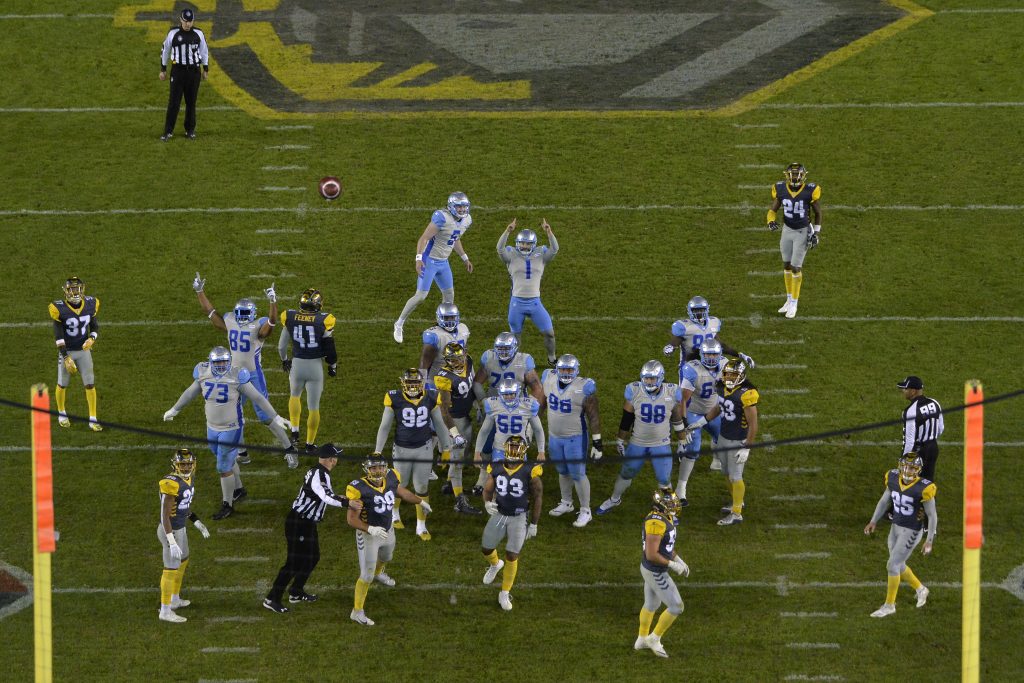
(303,597)
(74,290)
(733,374)
(220,361)
(505,346)
(730,519)
(94,425)
(885,610)
(697,310)
(526,242)
(397,331)
(172,617)
(640,643)
(275,606)
(710,353)
(358,616)
(568,368)
(458,205)
(583,518)
(179,603)
(515,450)
(245,311)
(462,505)
(311,448)
(63,421)
(190,135)
(243,458)
(446,489)
(655,646)
(606,507)
(447,316)
(562,508)
(397,523)
(492,572)
(652,374)
(423,534)
(477,491)
(509,391)
(166,137)
(795,174)
(183,463)
(384,579)
(910,467)
(922,596)
(240,494)
(716,465)
(785,306)
(311,300)
(791,311)
(505,600)
(225,511)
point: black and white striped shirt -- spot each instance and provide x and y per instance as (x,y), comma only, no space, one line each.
(316,494)
(185,47)
(922,422)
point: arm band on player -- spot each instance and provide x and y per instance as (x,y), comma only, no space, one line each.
(419,257)
(771,216)
(626,423)
(454,431)
(331,355)
(697,424)
(213,312)
(816,228)
(679,426)
(465,256)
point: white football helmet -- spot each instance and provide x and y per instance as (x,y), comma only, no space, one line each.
(458,205)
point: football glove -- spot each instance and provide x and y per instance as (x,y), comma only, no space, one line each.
(425,506)
(170,415)
(271,294)
(531,531)
(458,441)
(198,284)
(292,458)
(88,344)
(332,370)
(201,528)
(446,456)
(773,226)
(174,547)
(595,449)
(812,240)
(679,567)
(620,447)
(286,365)
(491,507)
(686,437)
(668,349)
(748,360)
(281,422)
(70,365)
(742,455)
(378,532)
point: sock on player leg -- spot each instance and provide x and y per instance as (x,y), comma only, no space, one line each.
(312,425)
(892,585)
(294,411)
(910,578)
(508,574)
(798,279)
(646,617)
(90,398)
(360,598)
(738,489)
(664,621)
(788,276)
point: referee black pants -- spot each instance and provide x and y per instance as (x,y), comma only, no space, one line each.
(184,83)
(303,555)
(929,453)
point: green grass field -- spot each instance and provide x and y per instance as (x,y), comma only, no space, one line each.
(915,275)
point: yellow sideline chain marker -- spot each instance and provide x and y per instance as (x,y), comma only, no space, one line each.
(43,539)
(974,443)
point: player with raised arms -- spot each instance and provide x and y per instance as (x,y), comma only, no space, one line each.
(526,263)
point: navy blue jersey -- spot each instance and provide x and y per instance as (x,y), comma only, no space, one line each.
(459,386)
(733,403)
(182,490)
(307,332)
(512,486)
(796,206)
(412,417)
(908,501)
(74,324)
(377,502)
(658,524)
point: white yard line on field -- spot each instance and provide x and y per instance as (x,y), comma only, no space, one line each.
(759,186)
(266,276)
(778,342)
(275,252)
(785,391)
(800,527)
(790,416)
(277,231)
(281,188)
(795,470)
(813,646)
(244,531)
(764,273)
(759,146)
(261,501)
(262,473)
(766,296)
(775,166)
(284,148)
(298,126)
(240,620)
(285,168)
(224,650)
(254,558)
(803,556)
(809,615)
(767,250)
(798,498)
(756,125)
(781,366)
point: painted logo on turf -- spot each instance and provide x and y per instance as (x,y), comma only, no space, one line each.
(309,56)
(15,589)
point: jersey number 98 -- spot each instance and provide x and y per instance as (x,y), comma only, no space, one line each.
(652,414)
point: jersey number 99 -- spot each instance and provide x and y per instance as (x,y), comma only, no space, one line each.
(384,503)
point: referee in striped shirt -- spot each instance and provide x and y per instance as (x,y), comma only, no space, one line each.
(922,425)
(300,530)
(189,55)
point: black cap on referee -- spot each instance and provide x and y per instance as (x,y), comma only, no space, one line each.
(329,450)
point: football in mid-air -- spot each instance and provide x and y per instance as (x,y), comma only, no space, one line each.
(330,188)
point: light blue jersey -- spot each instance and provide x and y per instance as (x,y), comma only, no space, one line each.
(438,337)
(693,334)
(697,378)
(246,352)
(449,231)
(565,404)
(653,423)
(515,369)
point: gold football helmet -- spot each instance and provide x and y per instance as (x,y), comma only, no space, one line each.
(74,290)
(455,357)
(412,383)
(665,501)
(183,463)
(795,174)
(515,450)
(311,300)
(910,467)
(734,373)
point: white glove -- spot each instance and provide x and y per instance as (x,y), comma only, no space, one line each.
(425,506)
(458,441)
(202,528)
(378,532)
(687,436)
(748,360)
(175,548)
(198,284)
(531,531)
(620,447)
(292,458)
(742,455)
(595,453)
(282,423)
(491,507)
(679,567)
(170,415)
(668,349)
(271,294)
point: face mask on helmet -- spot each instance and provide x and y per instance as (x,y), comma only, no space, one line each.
(652,374)
(509,392)
(795,175)
(515,450)
(183,463)
(311,301)
(448,317)
(220,361)
(734,373)
(455,356)
(568,369)
(526,242)
(505,346)
(412,383)
(710,354)
(910,467)
(376,470)
(458,205)
(666,501)
(74,291)
(245,311)
(697,310)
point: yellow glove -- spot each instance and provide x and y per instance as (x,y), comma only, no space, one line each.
(88,344)
(70,365)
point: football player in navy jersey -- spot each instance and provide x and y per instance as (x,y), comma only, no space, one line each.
(658,557)
(75,330)
(177,491)
(797,198)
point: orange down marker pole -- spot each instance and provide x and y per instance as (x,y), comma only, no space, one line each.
(43,538)
(974,443)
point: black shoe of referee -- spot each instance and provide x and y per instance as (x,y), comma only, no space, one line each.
(191,135)
(166,136)
(303,597)
(274,606)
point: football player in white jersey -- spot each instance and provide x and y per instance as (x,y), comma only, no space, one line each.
(449,328)
(572,403)
(246,334)
(652,411)
(699,380)
(687,335)
(222,387)
(508,414)
(439,238)
(526,264)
